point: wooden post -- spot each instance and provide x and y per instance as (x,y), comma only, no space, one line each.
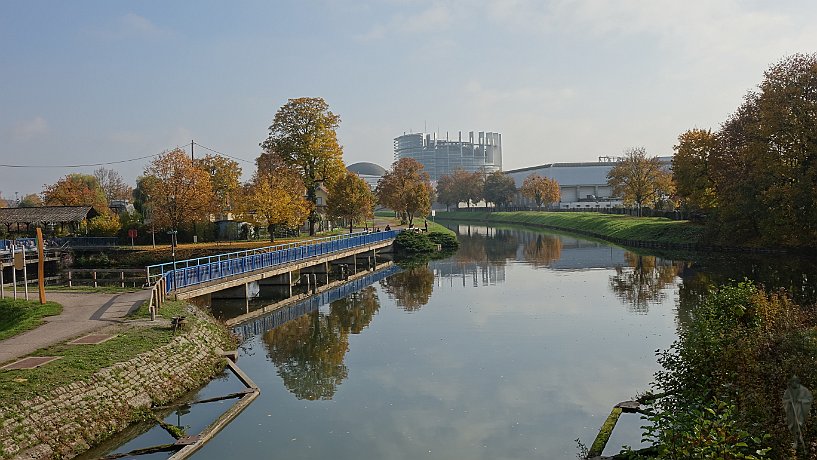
(122,278)
(69,279)
(94,273)
(41,264)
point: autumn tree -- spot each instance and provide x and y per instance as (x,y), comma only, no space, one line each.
(499,188)
(406,189)
(224,180)
(468,187)
(178,193)
(446,191)
(112,184)
(542,190)
(275,198)
(351,199)
(76,190)
(303,135)
(690,170)
(637,178)
(32,200)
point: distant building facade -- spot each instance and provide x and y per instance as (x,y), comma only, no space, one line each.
(582,185)
(369,172)
(441,157)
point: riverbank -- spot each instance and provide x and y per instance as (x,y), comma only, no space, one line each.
(95,390)
(649,232)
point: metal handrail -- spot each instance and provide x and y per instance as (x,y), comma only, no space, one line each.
(190,272)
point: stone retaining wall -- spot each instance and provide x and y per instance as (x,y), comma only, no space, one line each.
(74,417)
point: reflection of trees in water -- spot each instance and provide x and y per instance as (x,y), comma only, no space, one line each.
(496,248)
(309,350)
(543,250)
(410,288)
(643,281)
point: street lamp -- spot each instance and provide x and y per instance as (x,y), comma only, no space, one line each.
(172,234)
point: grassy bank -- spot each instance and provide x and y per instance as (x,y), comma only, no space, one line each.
(18,316)
(634,231)
(79,362)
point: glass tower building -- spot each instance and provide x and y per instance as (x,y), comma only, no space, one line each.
(443,156)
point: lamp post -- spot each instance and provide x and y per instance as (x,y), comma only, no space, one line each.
(172,234)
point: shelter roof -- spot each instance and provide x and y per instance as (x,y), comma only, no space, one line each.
(47,214)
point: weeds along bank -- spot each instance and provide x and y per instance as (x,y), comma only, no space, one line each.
(64,420)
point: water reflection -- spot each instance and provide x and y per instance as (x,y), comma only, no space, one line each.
(309,351)
(643,281)
(543,250)
(411,288)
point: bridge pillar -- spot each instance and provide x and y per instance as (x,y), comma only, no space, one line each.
(245,291)
(284,280)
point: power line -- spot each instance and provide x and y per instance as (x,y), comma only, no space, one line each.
(224,154)
(80,165)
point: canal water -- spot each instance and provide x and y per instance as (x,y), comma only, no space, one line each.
(515,347)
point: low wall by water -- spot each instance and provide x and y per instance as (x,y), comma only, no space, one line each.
(72,418)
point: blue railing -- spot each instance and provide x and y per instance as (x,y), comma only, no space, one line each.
(190,272)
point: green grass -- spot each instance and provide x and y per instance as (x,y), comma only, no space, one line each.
(78,362)
(18,316)
(605,226)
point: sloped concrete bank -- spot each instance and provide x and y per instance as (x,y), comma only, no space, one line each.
(72,418)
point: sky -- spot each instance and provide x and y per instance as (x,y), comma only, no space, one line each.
(88,82)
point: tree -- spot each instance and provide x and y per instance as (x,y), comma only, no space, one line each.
(350,198)
(637,178)
(446,191)
(112,185)
(178,193)
(406,189)
(468,187)
(303,136)
(542,190)
(499,189)
(31,200)
(275,198)
(76,190)
(690,170)
(763,168)
(224,180)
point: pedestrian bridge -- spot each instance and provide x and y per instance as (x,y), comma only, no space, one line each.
(184,279)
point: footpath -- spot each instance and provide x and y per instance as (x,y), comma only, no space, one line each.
(81,313)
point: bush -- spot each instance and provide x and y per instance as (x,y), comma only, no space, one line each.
(409,242)
(447,241)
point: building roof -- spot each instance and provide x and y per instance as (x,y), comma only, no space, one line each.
(47,214)
(366,169)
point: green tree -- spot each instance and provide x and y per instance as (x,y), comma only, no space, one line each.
(275,198)
(406,189)
(499,189)
(446,191)
(690,170)
(542,190)
(351,199)
(224,180)
(637,178)
(31,200)
(303,136)
(179,193)
(76,190)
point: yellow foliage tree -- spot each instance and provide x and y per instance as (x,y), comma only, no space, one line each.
(542,190)
(178,192)
(351,199)
(275,198)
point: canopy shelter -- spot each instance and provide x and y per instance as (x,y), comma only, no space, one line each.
(48,217)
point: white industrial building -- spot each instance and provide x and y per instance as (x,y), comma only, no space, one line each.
(583,185)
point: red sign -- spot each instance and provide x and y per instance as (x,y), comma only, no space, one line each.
(132,233)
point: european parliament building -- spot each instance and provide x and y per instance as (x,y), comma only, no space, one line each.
(441,157)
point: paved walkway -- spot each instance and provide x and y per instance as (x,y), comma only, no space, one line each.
(81,313)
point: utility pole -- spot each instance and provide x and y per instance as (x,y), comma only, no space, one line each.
(192,159)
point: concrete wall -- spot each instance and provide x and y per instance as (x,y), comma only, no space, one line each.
(71,419)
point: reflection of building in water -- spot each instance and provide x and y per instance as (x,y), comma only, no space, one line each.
(450,272)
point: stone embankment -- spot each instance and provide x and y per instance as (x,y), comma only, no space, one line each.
(72,418)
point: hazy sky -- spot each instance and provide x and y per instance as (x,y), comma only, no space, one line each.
(100,81)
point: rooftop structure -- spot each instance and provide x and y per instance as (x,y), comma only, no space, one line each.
(369,172)
(441,157)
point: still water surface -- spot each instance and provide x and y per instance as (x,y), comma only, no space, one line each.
(513,348)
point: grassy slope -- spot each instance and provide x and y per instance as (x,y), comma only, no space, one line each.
(18,316)
(606,226)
